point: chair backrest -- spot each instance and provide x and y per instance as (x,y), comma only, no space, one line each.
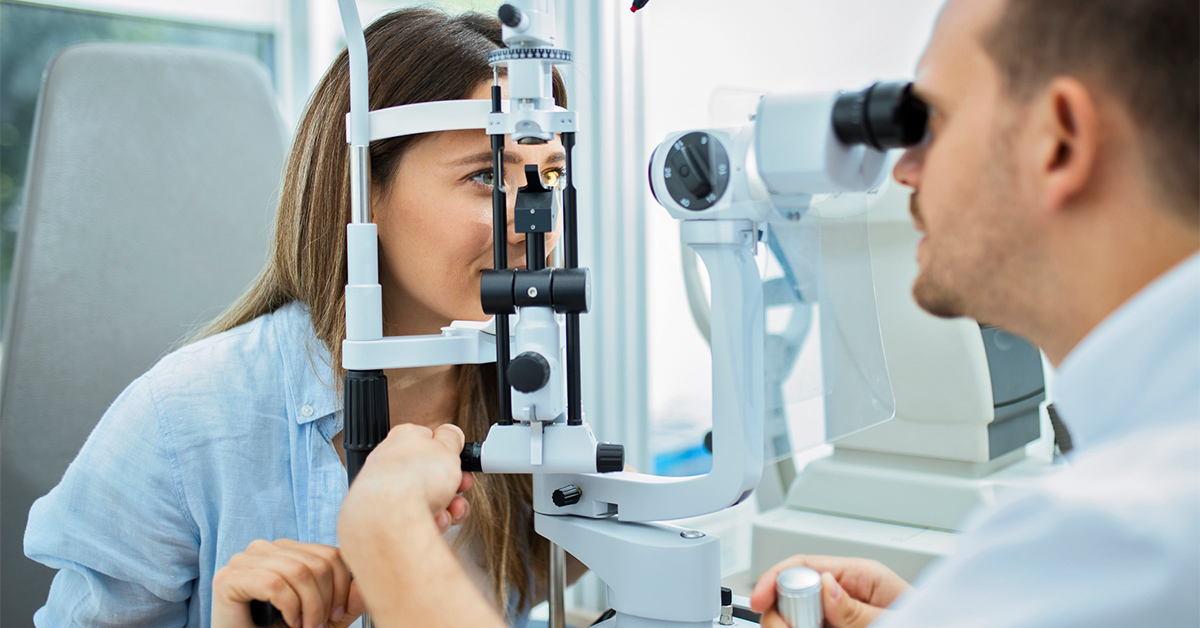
(153,175)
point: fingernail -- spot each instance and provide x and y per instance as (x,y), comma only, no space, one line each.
(338,613)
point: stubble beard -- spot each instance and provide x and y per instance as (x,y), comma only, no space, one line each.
(932,293)
(958,280)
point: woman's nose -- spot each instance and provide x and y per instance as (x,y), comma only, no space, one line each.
(515,238)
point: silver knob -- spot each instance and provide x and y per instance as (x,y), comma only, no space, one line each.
(798,597)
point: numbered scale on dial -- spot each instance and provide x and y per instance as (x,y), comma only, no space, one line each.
(696,171)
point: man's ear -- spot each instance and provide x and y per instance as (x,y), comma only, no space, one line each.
(1068,129)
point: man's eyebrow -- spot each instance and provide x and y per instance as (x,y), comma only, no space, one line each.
(510,158)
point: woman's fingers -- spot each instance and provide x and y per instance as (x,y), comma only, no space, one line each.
(316,576)
(355,607)
(325,562)
(313,608)
(243,580)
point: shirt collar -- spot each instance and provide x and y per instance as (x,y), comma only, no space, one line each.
(1140,367)
(312,390)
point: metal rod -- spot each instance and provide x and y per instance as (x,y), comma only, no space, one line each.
(535,251)
(570,225)
(500,259)
(574,379)
(360,185)
(557,586)
(571,260)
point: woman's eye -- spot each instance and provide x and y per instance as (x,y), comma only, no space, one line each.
(486,177)
(553,178)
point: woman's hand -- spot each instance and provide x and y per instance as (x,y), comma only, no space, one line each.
(854,591)
(307,582)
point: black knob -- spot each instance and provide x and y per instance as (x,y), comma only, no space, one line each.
(572,290)
(566,496)
(264,613)
(695,172)
(528,372)
(726,596)
(472,458)
(510,15)
(609,457)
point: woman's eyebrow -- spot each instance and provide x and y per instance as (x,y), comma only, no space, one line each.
(510,158)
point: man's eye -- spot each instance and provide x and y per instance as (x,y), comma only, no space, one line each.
(486,177)
(553,178)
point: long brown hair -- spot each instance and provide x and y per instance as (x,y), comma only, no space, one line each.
(415,55)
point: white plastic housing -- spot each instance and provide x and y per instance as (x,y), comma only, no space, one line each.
(537,331)
(727,248)
(557,448)
(537,24)
(364,299)
(798,152)
(657,575)
(745,197)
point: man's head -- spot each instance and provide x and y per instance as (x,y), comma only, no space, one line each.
(1056,126)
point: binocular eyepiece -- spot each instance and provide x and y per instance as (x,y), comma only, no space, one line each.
(882,116)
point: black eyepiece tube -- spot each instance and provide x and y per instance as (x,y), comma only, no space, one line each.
(883,116)
(509,15)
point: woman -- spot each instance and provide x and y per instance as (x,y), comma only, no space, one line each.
(231,446)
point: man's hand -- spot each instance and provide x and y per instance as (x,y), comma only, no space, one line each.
(307,582)
(390,531)
(854,591)
(413,468)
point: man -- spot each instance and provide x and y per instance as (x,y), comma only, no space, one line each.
(1058,192)
(1059,198)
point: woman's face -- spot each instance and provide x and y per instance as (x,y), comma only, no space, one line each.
(435,225)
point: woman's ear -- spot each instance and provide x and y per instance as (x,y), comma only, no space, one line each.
(1067,141)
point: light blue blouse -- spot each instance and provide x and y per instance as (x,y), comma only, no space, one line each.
(223,442)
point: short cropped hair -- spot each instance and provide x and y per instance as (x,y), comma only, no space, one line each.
(1145,53)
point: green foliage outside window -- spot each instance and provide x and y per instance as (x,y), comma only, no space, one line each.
(30,35)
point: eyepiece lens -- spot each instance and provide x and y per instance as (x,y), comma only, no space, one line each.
(882,116)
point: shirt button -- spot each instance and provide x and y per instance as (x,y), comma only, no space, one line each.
(306,411)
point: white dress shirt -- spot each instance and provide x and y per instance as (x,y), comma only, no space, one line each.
(1113,540)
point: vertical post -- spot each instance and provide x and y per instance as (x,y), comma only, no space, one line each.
(571,260)
(500,259)
(557,586)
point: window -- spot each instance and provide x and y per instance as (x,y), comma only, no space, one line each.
(30,35)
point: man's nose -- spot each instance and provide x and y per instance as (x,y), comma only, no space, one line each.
(908,168)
